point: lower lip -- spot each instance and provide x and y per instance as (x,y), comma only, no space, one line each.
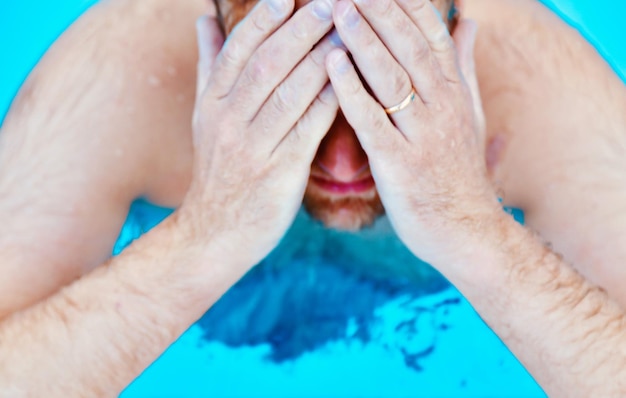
(360,186)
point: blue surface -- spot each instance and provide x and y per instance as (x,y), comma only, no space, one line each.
(308,322)
(294,326)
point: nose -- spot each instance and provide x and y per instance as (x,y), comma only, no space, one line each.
(340,154)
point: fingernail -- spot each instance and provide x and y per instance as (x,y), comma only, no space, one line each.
(349,14)
(278,6)
(339,61)
(323,9)
(335,39)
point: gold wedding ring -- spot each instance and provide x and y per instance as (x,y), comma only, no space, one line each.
(405,102)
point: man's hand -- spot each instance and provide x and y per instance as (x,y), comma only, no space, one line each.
(427,159)
(428,162)
(264,104)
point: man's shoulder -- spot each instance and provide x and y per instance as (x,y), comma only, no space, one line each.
(534,74)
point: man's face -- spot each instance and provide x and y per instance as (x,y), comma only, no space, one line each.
(341,192)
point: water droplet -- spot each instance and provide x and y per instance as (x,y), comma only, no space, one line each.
(154,81)
(171,70)
(165,16)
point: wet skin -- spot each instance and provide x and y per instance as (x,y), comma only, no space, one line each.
(341,192)
(74,166)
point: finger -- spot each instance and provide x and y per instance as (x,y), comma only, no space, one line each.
(428,20)
(293,96)
(302,142)
(388,80)
(366,116)
(465,38)
(244,40)
(279,54)
(405,42)
(210,40)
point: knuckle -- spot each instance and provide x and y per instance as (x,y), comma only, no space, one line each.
(355,88)
(420,52)
(404,29)
(257,72)
(308,123)
(380,145)
(283,97)
(230,54)
(401,86)
(370,41)
(259,24)
(433,62)
(442,41)
(438,83)
(299,31)
(383,7)
(377,121)
(327,99)
(295,135)
(317,58)
(416,6)
(318,118)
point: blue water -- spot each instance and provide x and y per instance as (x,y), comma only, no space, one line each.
(307,321)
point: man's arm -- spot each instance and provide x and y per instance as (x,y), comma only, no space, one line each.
(555,109)
(95,336)
(568,333)
(429,167)
(103,119)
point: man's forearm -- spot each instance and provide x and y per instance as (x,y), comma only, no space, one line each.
(569,334)
(95,336)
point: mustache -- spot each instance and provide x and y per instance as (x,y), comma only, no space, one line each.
(349,213)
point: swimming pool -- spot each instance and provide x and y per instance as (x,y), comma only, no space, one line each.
(428,343)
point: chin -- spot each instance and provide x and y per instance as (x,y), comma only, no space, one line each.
(345,212)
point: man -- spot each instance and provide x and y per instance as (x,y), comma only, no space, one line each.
(75,196)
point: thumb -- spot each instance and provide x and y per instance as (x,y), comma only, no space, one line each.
(210,41)
(464,38)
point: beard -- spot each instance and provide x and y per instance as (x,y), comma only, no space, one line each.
(349,213)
